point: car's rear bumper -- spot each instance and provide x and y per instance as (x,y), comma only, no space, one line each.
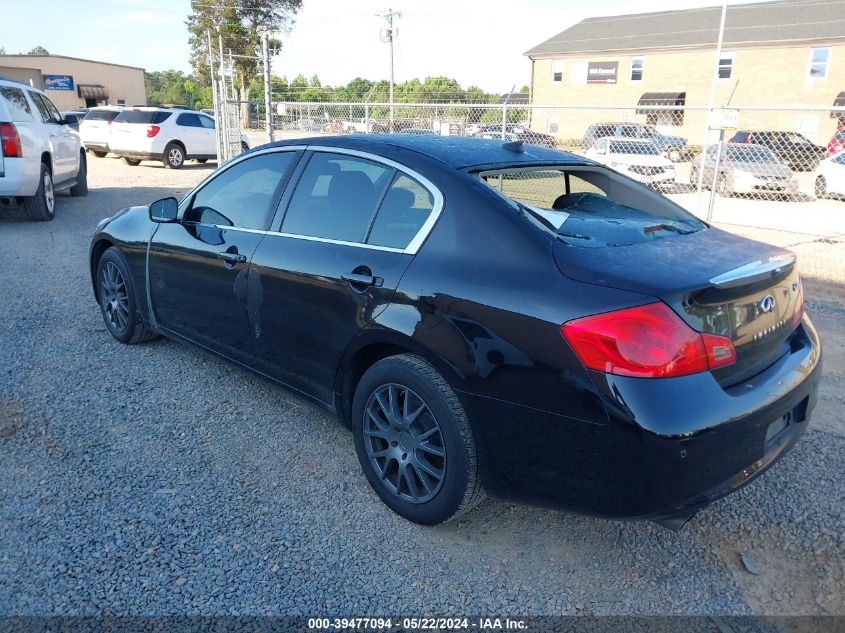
(671,446)
(17,178)
(140,155)
(96,145)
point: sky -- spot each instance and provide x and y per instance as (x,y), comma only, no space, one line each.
(477,42)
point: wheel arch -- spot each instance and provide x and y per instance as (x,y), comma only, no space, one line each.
(97,249)
(47,159)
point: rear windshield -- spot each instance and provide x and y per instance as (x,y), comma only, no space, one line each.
(101,115)
(591,207)
(142,116)
(628,147)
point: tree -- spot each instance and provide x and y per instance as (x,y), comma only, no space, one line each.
(39,50)
(2,50)
(240,24)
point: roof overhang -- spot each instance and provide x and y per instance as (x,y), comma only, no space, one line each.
(92,91)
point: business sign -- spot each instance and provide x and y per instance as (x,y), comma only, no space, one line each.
(602,72)
(723,119)
(57,82)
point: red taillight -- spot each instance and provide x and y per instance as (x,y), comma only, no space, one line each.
(649,341)
(152,130)
(10,140)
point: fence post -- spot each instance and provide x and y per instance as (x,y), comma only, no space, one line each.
(504,118)
(716,178)
(366,118)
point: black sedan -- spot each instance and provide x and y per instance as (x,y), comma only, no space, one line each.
(485,317)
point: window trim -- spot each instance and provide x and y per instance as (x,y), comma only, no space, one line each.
(278,216)
(813,49)
(725,55)
(631,79)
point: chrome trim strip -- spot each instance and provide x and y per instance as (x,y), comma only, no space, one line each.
(418,240)
(753,271)
(309,238)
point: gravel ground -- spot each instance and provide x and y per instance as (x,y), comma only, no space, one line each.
(156,480)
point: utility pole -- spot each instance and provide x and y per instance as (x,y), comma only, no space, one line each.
(268,117)
(388,34)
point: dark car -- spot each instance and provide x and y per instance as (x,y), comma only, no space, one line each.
(73,118)
(516,133)
(791,148)
(675,148)
(484,316)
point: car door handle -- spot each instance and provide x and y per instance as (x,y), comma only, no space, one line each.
(362,280)
(232,258)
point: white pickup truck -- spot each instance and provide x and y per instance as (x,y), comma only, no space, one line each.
(39,153)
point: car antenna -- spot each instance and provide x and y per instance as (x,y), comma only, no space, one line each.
(514,146)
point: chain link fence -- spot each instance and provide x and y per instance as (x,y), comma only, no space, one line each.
(770,173)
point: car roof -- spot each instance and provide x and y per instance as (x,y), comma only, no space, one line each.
(459,152)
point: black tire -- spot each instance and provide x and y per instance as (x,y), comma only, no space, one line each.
(244,146)
(134,162)
(124,323)
(42,206)
(722,186)
(820,188)
(81,186)
(99,153)
(174,156)
(459,490)
(202,161)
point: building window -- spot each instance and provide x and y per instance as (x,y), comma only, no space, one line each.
(557,70)
(552,123)
(121,102)
(819,59)
(726,65)
(636,69)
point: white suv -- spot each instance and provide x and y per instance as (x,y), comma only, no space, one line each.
(95,129)
(39,153)
(637,158)
(169,135)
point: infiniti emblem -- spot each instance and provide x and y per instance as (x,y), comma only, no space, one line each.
(767,303)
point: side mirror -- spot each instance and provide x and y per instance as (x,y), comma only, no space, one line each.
(164,210)
(64,121)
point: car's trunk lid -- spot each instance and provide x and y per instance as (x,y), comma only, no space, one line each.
(717,282)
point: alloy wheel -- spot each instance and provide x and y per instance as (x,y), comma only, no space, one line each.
(175,157)
(49,194)
(404,443)
(114,297)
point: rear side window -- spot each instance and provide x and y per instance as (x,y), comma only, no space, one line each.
(590,207)
(101,115)
(245,194)
(336,198)
(188,119)
(403,212)
(142,116)
(16,104)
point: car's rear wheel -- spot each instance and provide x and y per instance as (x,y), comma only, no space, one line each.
(118,304)
(174,156)
(820,187)
(134,162)
(42,206)
(99,153)
(244,146)
(414,441)
(202,161)
(674,154)
(81,186)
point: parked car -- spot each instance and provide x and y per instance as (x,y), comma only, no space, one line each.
(829,178)
(171,136)
(837,143)
(39,154)
(515,133)
(674,148)
(636,158)
(417,130)
(95,129)
(745,169)
(73,117)
(791,148)
(484,316)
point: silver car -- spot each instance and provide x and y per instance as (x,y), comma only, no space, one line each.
(744,169)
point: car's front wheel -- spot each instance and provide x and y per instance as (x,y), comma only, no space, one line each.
(820,187)
(414,441)
(42,206)
(174,156)
(118,304)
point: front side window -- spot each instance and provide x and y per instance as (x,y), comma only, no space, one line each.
(337,197)
(591,207)
(557,70)
(207,122)
(244,195)
(636,69)
(819,59)
(726,65)
(16,103)
(48,112)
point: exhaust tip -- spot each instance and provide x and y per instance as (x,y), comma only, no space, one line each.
(676,522)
